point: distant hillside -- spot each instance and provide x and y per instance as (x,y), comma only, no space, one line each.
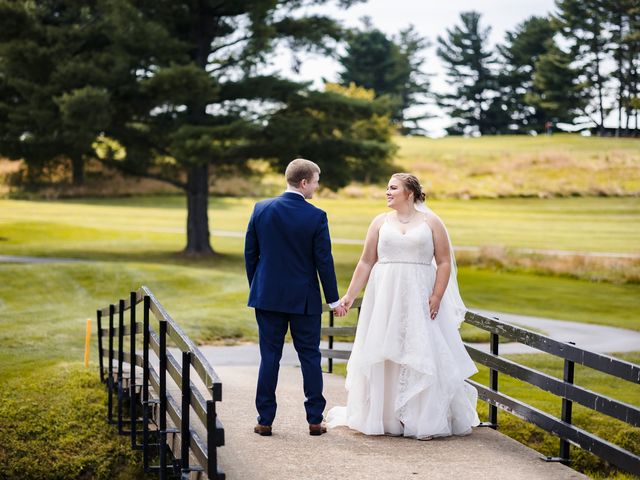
(504,166)
(558,165)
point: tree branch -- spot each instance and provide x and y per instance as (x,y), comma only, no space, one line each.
(235,42)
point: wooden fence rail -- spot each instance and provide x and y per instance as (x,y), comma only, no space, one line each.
(150,403)
(565,388)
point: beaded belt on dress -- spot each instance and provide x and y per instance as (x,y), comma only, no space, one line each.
(401,261)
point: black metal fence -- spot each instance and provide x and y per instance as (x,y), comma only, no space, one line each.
(565,388)
(155,413)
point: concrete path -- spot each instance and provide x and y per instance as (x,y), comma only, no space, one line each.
(23,259)
(597,338)
(291,453)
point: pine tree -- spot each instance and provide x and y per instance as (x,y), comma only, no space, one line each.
(632,42)
(391,67)
(584,24)
(55,72)
(520,52)
(556,90)
(171,90)
(475,102)
(201,110)
(622,24)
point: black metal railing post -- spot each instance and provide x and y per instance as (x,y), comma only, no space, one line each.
(493,382)
(330,360)
(567,407)
(163,399)
(185,435)
(165,424)
(100,349)
(212,440)
(120,362)
(112,309)
(132,383)
(145,382)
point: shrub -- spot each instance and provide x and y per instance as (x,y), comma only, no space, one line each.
(53,426)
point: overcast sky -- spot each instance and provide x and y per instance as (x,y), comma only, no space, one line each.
(431,19)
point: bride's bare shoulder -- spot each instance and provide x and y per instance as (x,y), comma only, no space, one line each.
(433,220)
(377,222)
(379,219)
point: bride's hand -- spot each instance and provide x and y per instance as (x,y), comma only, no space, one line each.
(434,306)
(347,302)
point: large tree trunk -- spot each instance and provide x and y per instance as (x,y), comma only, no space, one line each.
(197,212)
(77,164)
(198,176)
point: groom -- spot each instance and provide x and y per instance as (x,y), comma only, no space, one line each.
(287,247)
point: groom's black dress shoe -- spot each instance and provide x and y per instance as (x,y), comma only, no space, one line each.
(263,430)
(317,429)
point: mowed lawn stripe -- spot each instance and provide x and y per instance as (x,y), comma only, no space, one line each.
(580,224)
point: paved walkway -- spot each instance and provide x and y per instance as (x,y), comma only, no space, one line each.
(597,338)
(23,259)
(291,453)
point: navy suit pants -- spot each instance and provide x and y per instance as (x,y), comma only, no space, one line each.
(305,331)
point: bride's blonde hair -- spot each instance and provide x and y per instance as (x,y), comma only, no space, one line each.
(412,184)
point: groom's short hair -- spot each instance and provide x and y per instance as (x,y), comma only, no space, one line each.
(300,169)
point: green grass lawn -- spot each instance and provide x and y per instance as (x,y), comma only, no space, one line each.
(603,426)
(583,224)
(129,242)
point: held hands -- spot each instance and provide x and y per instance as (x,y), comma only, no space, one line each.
(340,311)
(434,306)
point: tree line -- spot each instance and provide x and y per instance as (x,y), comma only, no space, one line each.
(582,62)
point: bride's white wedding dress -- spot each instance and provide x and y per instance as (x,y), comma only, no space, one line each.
(406,372)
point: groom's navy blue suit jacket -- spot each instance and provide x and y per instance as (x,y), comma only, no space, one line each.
(287,247)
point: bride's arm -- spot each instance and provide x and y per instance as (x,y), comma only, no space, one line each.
(367,260)
(442,256)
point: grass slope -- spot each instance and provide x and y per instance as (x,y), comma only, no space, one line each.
(559,165)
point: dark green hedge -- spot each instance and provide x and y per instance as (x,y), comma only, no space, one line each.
(53,426)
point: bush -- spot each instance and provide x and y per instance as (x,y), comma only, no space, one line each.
(53,426)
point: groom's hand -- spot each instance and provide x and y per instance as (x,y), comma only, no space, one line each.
(340,311)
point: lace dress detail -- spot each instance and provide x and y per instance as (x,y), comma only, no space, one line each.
(406,372)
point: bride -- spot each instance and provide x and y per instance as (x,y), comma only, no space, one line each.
(407,368)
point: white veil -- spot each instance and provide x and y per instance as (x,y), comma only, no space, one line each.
(451,295)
